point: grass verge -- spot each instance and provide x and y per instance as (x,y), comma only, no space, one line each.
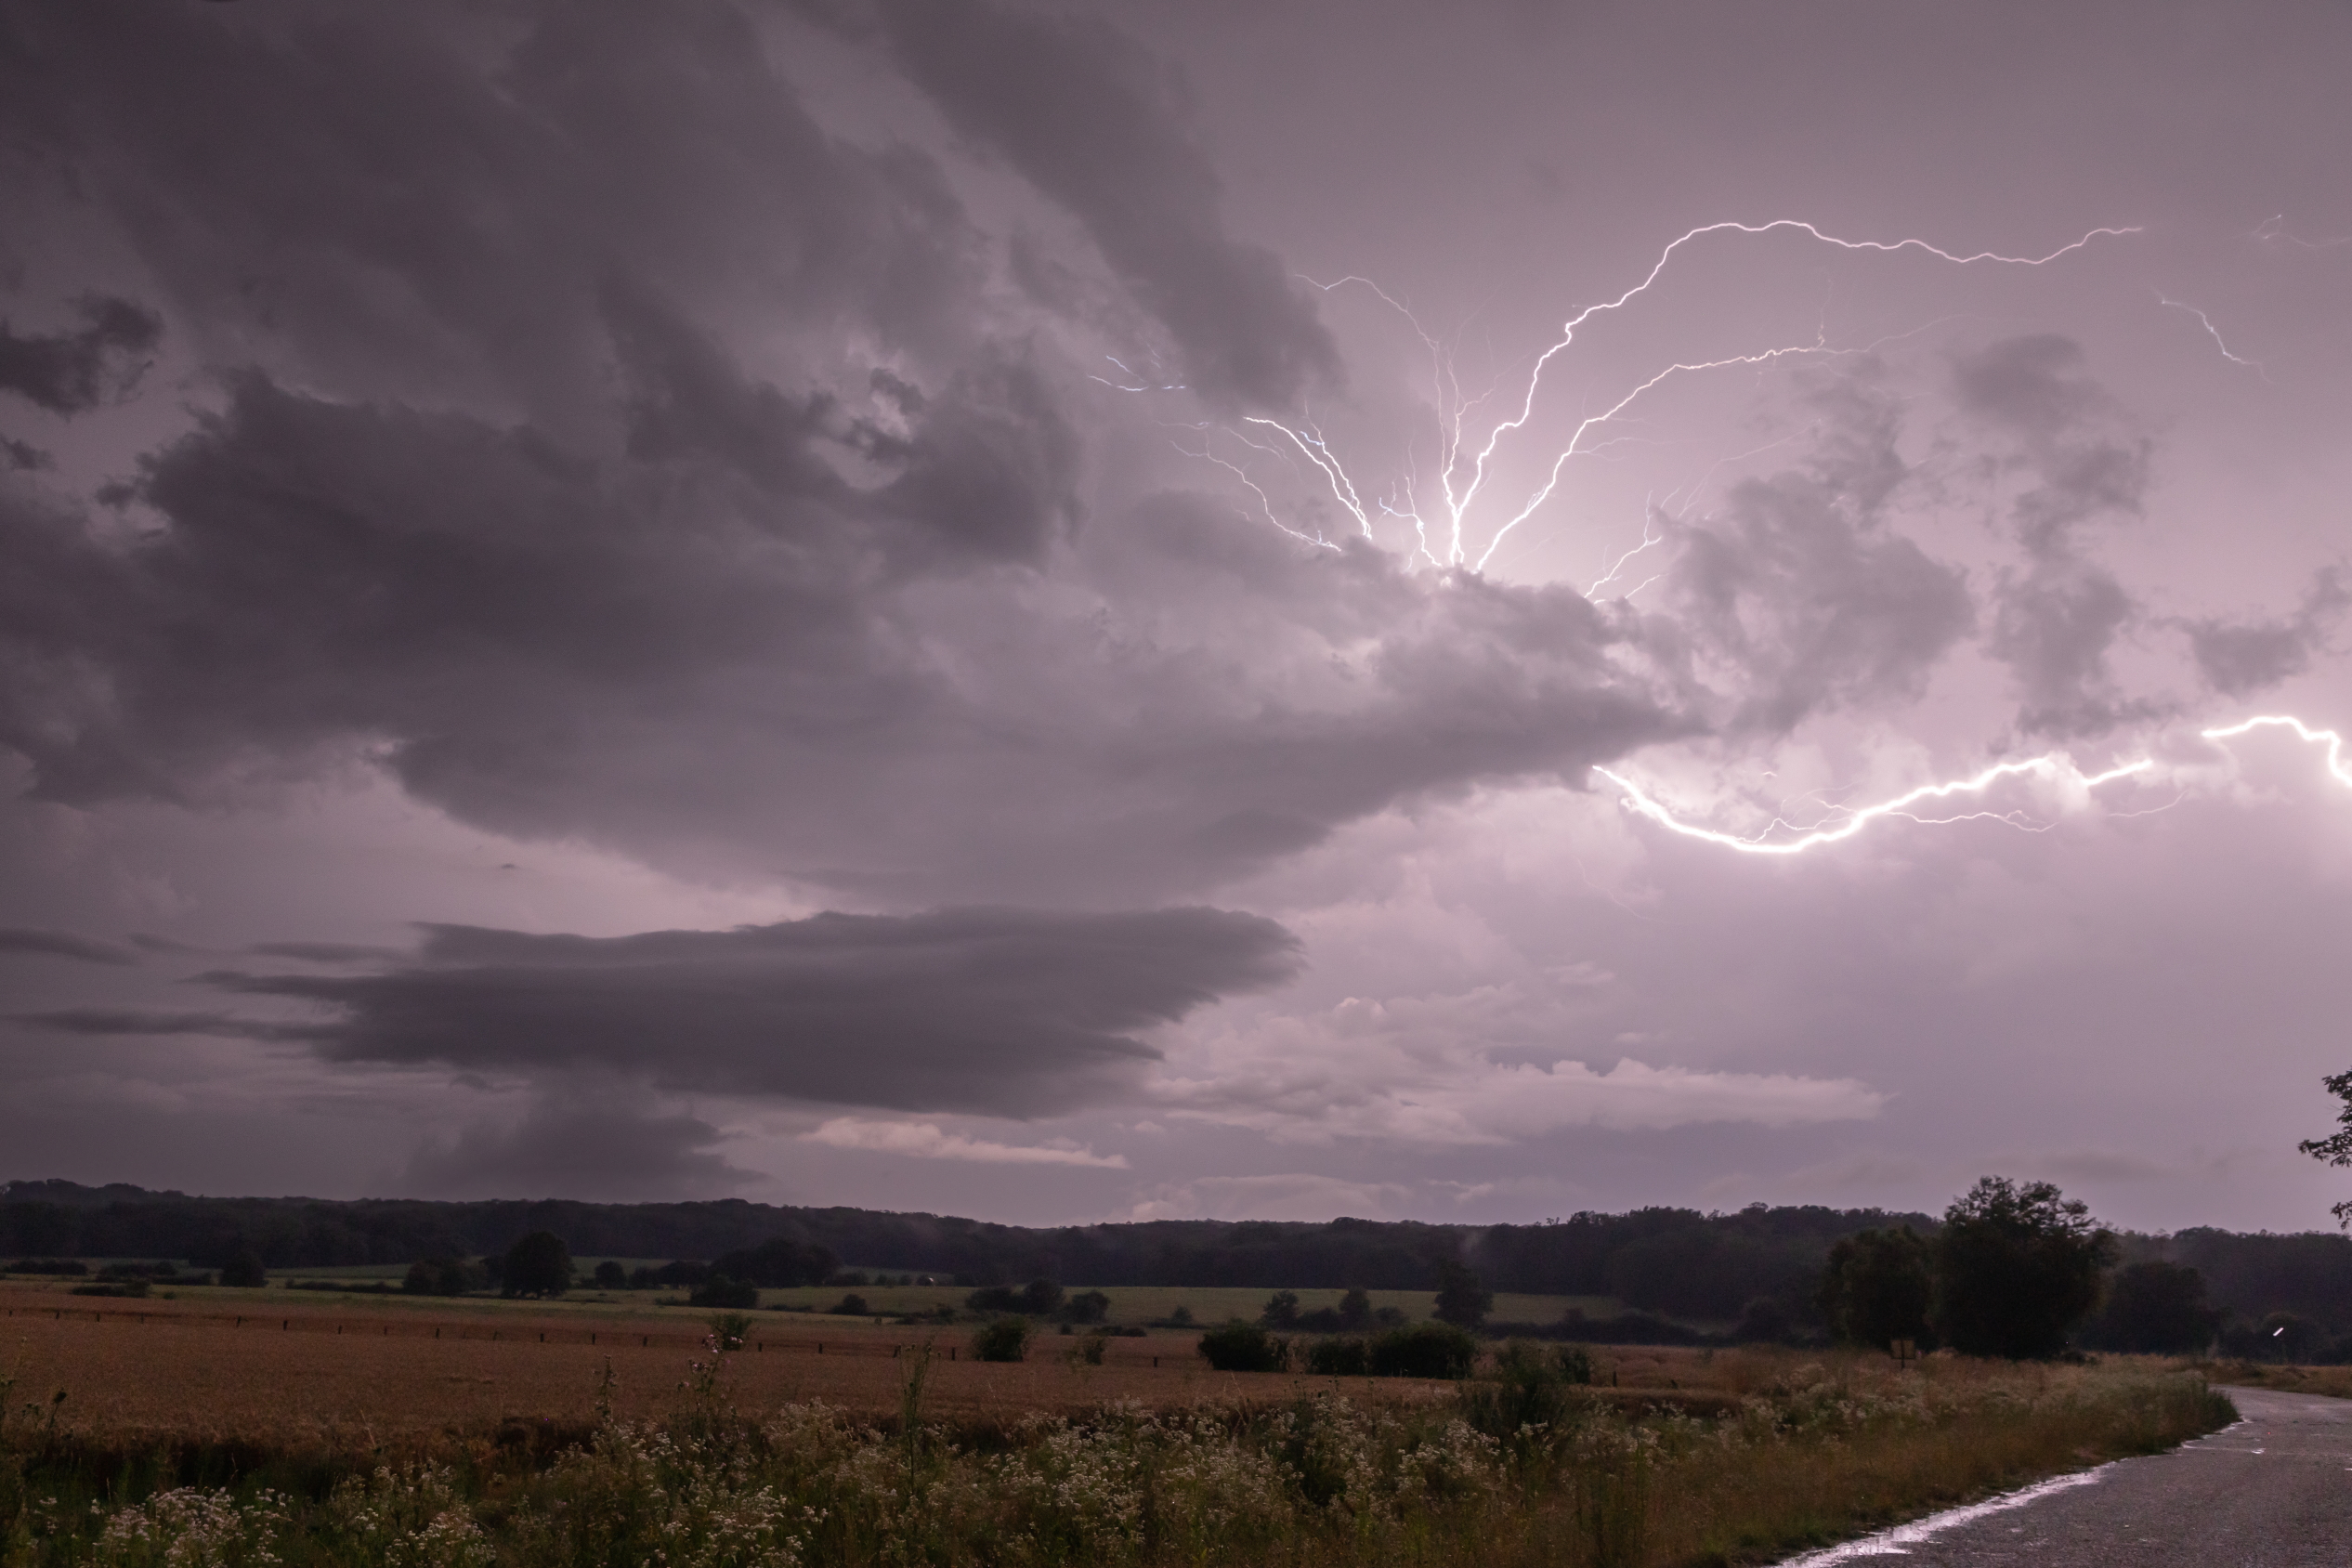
(1521,1467)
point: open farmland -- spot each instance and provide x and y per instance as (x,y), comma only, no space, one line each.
(248,1363)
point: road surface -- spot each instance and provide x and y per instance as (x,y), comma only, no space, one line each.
(2274,1491)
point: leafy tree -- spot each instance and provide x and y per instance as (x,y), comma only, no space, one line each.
(438,1277)
(1875,1288)
(1461,1301)
(1338,1358)
(1355,1310)
(725,1291)
(2154,1309)
(611,1276)
(2336,1148)
(2016,1267)
(1282,1309)
(243,1268)
(1236,1346)
(540,1264)
(851,1305)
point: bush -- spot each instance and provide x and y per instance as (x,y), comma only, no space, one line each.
(720,1290)
(431,1276)
(1423,1349)
(1237,1346)
(1037,1299)
(1529,1389)
(850,1306)
(242,1268)
(729,1330)
(1087,1306)
(539,1264)
(670,1276)
(1338,1358)
(612,1276)
(1007,1339)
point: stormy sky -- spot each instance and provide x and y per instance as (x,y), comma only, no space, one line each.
(1088,611)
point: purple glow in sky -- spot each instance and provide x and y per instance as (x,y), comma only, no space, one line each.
(1067,612)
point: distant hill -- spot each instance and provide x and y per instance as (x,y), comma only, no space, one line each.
(1677,1261)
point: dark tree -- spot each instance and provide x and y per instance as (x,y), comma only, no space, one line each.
(778,1264)
(1005,1339)
(1423,1349)
(2016,1267)
(2154,1309)
(725,1292)
(611,1276)
(1087,1306)
(2336,1149)
(540,1264)
(1875,1288)
(1356,1311)
(1461,1301)
(1282,1309)
(1039,1296)
(1244,1347)
(243,1268)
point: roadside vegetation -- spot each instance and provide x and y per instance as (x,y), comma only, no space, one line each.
(1535,1459)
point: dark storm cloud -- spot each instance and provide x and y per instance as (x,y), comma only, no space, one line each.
(72,373)
(2054,628)
(989,1011)
(62,944)
(2237,658)
(1097,122)
(590,1146)
(838,627)
(1800,584)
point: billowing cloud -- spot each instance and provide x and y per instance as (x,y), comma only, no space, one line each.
(1097,122)
(2240,657)
(990,1010)
(926,1139)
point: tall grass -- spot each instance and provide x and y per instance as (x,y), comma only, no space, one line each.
(1522,1469)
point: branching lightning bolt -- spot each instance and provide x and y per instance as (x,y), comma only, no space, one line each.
(2054,766)
(1461,472)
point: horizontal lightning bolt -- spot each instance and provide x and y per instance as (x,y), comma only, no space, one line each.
(2054,765)
(2328,738)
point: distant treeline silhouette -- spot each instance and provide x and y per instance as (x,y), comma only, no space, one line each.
(1677,1263)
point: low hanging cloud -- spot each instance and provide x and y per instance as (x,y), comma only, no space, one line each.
(62,944)
(599,1146)
(994,1011)
(1433,1072)
(926,1140)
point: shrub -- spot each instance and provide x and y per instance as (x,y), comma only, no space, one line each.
(242,1268)
(720,1290)
(728,1330)
(1423,1349)
(670,1275)
(1007,1339)
(1338,1358)
(539,1264)
(1529,1390)
(850,1306)
(1087,1306)
(1237,1346)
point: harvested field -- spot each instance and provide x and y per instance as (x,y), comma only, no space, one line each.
(171,1366)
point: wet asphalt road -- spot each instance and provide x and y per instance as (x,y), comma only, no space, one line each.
(2275,1491)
